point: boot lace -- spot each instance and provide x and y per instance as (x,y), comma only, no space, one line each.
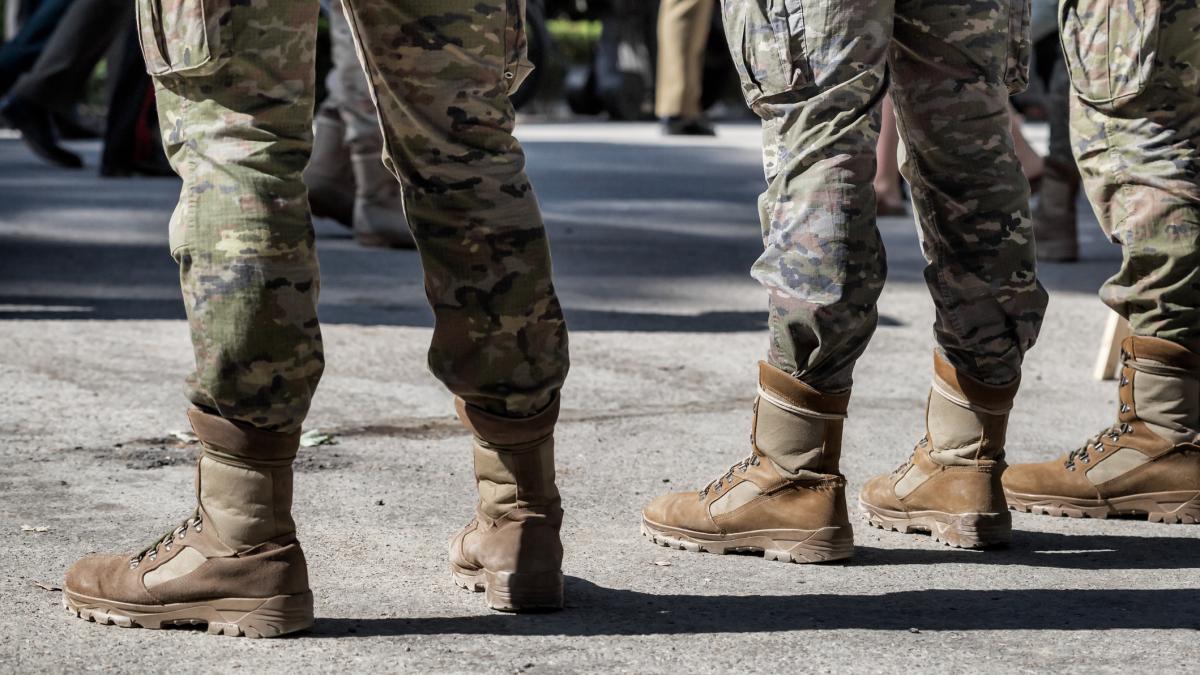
(727,477)
(193,522)
(1096,443)
(912,456)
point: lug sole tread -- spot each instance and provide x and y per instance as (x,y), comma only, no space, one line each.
(957,530)
(1168,508)
(827,544)
(272,617)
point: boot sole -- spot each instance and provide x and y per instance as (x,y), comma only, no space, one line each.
(513,591)
(960,530)
(234,617)
(826,544)
(1181,507)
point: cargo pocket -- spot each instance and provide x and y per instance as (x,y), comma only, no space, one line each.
(1110,47)
(517,65)
(1020,46)
(181,36)
(766,40)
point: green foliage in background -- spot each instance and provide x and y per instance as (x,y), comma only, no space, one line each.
(576,40)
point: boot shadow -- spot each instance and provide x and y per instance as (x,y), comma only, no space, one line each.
(594,610)
(1047,549)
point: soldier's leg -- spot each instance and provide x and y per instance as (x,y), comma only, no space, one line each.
(441,74)
(955,64)
(235,96)
(1135,127)
(1055,217)
(683,27)
(815,72)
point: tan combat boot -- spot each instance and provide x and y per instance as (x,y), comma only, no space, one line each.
(787,500)
(328,176)
(1148,463)
(1054,218)
(379,218)
(235,565)
(950,487)
(511,550)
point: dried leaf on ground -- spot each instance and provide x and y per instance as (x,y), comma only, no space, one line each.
(45,587)
(31,528)
(314,437)
(184,436)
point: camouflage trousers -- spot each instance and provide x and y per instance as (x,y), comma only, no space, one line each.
(816,72)
(235,85)
(1135,131)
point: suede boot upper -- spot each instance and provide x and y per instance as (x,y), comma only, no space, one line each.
(515,532)
(239,544)
(787,499)
(1153,448)
(950,486)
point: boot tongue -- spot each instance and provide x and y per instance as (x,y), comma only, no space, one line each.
(1165,398)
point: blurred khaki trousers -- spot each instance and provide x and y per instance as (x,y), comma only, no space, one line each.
(682,35)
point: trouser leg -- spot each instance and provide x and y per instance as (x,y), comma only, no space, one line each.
(1135,128)
(237,129)
(441,80)
(22,50)
(683,27)
(818,93)
(81,39)
(951,88)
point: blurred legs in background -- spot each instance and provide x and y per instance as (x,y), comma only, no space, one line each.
(57,80)
(683,27)
(346,178)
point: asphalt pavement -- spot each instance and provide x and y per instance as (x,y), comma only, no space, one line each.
(652,239)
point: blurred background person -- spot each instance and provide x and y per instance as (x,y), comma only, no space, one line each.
(1055,215)
(50,90)
(346,178)
(889,197)
(29,28)
(683,27)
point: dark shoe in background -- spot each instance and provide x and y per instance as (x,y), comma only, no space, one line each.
(71,128)
(680,126)
(37,130)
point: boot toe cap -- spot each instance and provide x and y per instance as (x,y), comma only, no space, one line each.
(104,576)
(878,492)
(1030,479)
(683,510)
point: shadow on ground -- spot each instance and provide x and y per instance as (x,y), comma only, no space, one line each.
(596,610)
